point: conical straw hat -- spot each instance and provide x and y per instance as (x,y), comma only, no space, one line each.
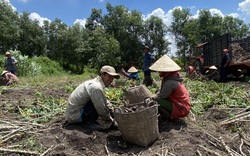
(5,71)
(165,64)
(212,67)
(132,70)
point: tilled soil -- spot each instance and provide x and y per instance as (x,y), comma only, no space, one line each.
(192,135)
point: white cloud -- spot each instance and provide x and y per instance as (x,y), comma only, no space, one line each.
(214,11)
(8,2)
(235,15)
(23,1)
(82,22)
(245,7)
(167,19)
(36,16)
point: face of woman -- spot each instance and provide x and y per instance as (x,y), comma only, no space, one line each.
(163,74)
(107,79)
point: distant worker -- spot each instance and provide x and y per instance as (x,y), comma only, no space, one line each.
(11,78)
(173,96)
(224,65)
(88,101)
(132,73)
(192,73)
(213,74)
(10,63)
(147,62)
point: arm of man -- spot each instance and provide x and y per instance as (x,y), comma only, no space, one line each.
(14,61)
(99,101)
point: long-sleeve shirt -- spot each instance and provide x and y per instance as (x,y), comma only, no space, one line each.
(88,90)
(147,61)
(174,90)
(9,63)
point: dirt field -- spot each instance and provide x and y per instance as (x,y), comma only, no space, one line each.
(193,135)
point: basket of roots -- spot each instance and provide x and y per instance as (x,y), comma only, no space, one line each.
(138,123)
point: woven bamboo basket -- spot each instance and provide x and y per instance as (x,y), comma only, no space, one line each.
(138,127)
(137,94)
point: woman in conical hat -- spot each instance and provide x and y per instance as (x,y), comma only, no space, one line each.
(9,77)
(131,74)
(213,74)
(173,96)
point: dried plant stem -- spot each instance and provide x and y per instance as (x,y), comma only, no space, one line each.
(235,118)
(48,150)
(209,150)
(106,149)
(241,144)
(18,151)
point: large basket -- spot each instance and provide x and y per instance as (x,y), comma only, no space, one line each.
(139,127)
(137,94)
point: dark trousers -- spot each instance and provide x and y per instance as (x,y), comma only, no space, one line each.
(89,114)
(147,73)
(147,78)
(223,74)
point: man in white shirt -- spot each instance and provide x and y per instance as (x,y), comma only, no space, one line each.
(88,101)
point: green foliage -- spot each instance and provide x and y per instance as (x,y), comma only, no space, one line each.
(44,66)
(23,62)
(204,95)
(179,62)
(44,109)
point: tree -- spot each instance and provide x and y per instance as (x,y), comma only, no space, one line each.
(154,35)
(95,20)
(73,53)
(126,27)
(56,32)
(9,31)
(181,17)
(209,26)
(235,26)
(105,49)
(32,40)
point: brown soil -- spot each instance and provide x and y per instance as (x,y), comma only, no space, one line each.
(192,135)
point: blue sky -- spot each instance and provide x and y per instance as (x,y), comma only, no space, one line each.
(71,11)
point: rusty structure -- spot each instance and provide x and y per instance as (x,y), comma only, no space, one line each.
(210,53)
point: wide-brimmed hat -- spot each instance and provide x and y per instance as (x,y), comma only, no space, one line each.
(165,64)
(5,71)
(7,53)
(212,67)
(132,70)
(110,70)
